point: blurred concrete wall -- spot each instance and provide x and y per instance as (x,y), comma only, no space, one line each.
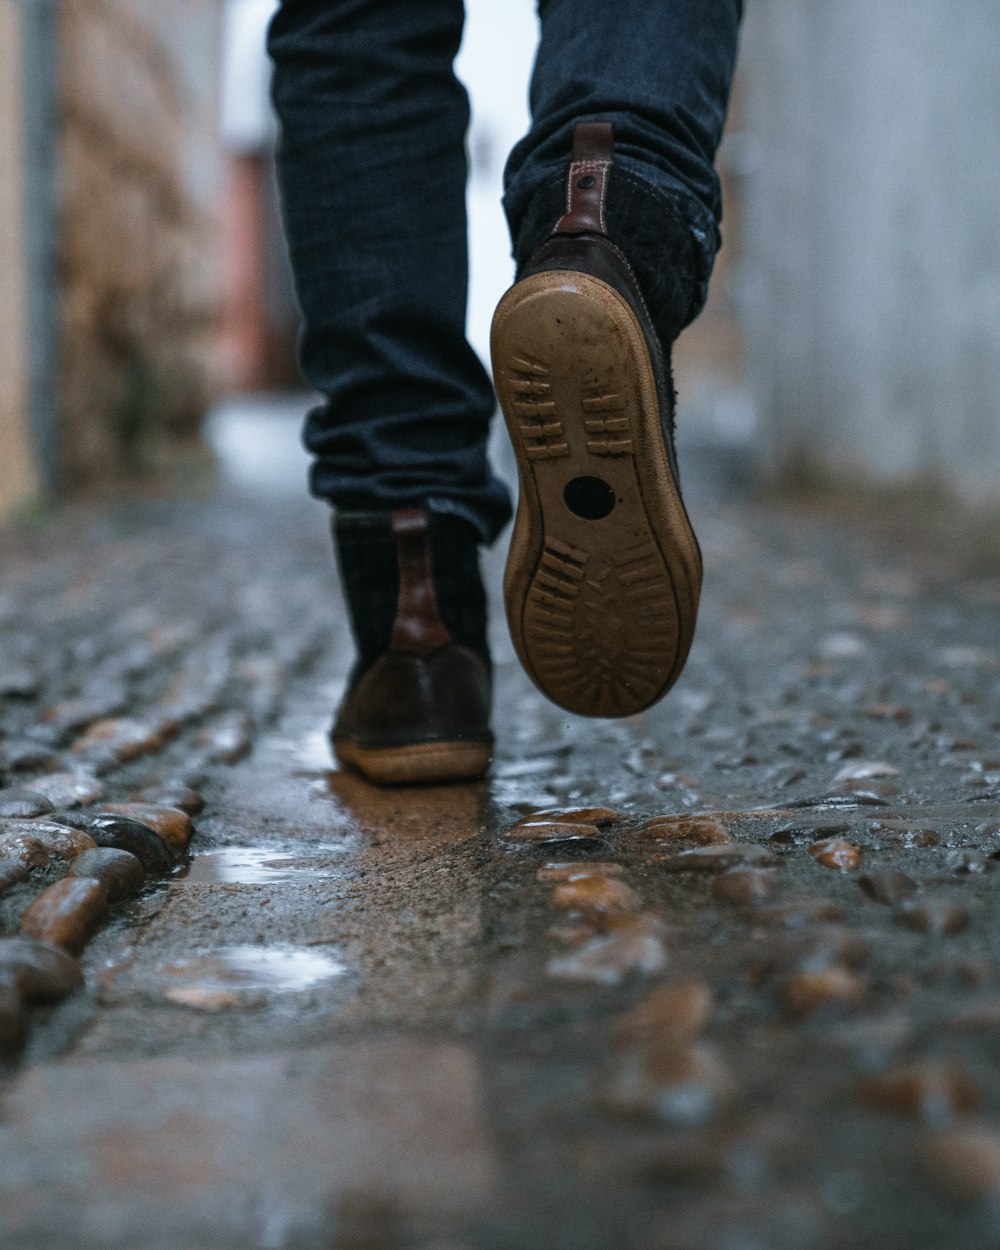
(19,479)
(872,230)
(139,175)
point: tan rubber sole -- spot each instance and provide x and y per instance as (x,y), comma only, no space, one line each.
(420,764)
(604,573)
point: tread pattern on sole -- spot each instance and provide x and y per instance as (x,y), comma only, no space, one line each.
(607,435)
(537,418)
(601,633)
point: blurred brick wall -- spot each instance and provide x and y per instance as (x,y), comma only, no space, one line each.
(139,176)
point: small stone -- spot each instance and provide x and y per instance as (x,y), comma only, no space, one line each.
(797,832)
(746,887)
(58,841)
(66,913)
(719,858)
(890,887)
(13,1021)
(595,894)
(701,830)
(204,998)
(837,854)
(172,825)
(38,972)
(24,804)
(121,874)
(228,739)
(935,917)
(576,872)
(865,770)
(69,789)
(679,1012)
(809,992)
(18,755)
(118,741)
(607,959)
(18,683)
(680,1084)
(935,1092)
(551,830)
(967,863)
(965,1162)
(905,834)
(800,915)
(181,796)
(13,872)
(600,816)
(148,847)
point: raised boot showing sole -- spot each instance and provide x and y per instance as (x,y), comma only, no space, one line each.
(604,572)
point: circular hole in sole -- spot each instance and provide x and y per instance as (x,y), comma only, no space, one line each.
(589,498)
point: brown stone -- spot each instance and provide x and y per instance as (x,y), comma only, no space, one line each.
(599,816)
(551,830)
(69,789)
(679,1012)
(119,740)
(121,874)
(595,894)
(184,797)
(42,840)
(719,858)
(228,739)
(172,825)
(890,887)
(699,830)
(39,973)
(635,947)
(13,872)
(936,917)
(13,1021)
(808,992)
(964,1162)
(837,854)
(932,1091)
(66,913)
(746,887)
(577,871)
(680,1084)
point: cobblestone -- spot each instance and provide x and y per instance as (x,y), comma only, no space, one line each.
(363,1017)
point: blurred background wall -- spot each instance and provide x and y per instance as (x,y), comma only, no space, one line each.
(871,249)
(852,331)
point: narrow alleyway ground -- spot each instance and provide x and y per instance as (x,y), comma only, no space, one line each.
(739,992)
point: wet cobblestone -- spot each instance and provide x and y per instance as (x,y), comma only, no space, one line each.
(722,975)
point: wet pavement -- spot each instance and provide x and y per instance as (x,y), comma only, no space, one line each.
(721,977)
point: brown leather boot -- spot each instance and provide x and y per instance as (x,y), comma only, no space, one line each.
(604,572)
(417,708)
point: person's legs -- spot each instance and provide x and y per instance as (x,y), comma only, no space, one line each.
(614,205)
(660,71)
(372,169)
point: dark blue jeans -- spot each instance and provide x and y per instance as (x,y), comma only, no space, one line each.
(372,167)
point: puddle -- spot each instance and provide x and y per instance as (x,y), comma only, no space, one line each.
(254,865)
(225,977)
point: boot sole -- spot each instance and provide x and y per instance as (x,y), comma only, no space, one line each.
(419,764)
(604,573)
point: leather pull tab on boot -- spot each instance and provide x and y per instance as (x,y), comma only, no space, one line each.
(587,183)
(418,626)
